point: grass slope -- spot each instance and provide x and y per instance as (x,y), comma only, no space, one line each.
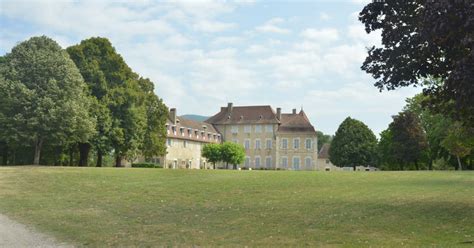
(151,207)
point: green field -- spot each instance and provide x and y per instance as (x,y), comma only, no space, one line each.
(156,207)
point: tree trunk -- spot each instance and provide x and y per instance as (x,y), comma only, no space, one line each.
(118,161)
(430,165)
(99,158)
(459,163)
(5,155)
(354,167)
(71,156)
(416,165)
(84,149)
(38,146)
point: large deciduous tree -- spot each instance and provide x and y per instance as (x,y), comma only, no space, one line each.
(353,145)
(459,141)
(43,96)
(422,38)
(409,139)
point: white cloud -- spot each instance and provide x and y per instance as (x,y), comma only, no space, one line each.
(323,35)
(213,26)
(271,26)
(227,40)
(324,16)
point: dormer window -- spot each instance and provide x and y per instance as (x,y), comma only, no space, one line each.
(190,132)
(181,131)
(173,129)
(202,134)
(196,133)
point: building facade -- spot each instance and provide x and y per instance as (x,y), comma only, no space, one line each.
(272,140)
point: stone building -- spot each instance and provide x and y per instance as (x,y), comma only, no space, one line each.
(185,139)
(272,140)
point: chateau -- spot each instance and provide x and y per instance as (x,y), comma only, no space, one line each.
(272,139)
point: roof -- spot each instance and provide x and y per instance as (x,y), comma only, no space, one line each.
(192,125)
(324,152)
(244,115)
(297,122)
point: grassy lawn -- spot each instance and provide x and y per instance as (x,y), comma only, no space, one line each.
(151,207)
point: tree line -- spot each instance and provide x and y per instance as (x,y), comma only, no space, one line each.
(57,106)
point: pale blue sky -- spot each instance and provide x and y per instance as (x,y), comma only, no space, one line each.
(203,54)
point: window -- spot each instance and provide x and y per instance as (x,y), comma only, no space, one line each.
(202,135)
(185,143)
(296,163)
(257,162)
(169,142)
(308,144)
(269,128)
(269,144)
(173,128)
(181,131)
(258,128)
(257,144)
(327,161)
(196,133)
(268,162)
(284,162)
(247,144)
(296,143)
(247,128)
(190,132)
(236,141)
(209,136)
(307,163)
(247,162)
(284,143)
(235,129)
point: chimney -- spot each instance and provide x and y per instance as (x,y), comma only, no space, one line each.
(279,113)
(173,115)
(229,107)
(294,111)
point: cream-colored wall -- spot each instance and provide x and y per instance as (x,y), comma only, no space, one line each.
(302,152)
(325,164)
(252,152)
(179,156)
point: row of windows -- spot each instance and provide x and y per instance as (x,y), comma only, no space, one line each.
(258,145)
(296,143)
(189,132)
(283,164)
(255,128)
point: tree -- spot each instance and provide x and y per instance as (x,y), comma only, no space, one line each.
(232,153)
(212,152)
(323,139)
(420,39)
(459,142)
(46,94)
(385,150)
(409,139)
(353,145)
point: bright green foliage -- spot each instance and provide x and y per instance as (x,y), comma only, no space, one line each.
(459,142)
(323,139)
(409,139)
(212,152)
(43,96)
(232,153)
(353,145)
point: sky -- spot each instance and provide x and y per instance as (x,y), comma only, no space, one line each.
(203,54)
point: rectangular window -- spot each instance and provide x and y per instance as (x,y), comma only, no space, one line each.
(236,141)
(296,143)
(257,144)
(185,143)
(247,144)
(284,143)
(268,162)
(181,131)
(284,162)
(258,128)
(296,163)
(235,129)
(269,128)
(308,144)
(247,128)
(307,163)
(169,142)
(247,162)
(269,144)
(257,162)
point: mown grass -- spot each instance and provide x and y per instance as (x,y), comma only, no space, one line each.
(159,207)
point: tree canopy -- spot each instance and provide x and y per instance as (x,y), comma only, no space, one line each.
(422,39)
(43,97)
(212,152)
(353,145)
(232,153)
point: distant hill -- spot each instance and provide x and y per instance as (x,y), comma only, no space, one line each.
(196,117)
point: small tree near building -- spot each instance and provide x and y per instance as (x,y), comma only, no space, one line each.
(212,152)
(353,145)
(232,154)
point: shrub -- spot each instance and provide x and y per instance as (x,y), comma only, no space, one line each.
(146,165)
